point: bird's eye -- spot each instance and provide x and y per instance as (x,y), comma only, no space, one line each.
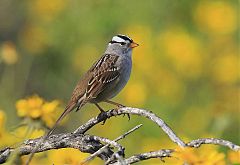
(123,43)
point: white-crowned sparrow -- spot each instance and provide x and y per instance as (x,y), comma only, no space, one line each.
(103,80)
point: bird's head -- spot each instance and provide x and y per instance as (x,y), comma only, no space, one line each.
(122,43)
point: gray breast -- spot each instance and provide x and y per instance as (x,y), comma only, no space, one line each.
(125,71)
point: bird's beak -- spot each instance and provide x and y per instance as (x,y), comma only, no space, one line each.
(133,45)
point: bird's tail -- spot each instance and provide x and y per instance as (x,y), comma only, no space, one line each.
(66,111)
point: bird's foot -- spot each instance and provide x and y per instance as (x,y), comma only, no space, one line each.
(103,117)
(114,103)
(121,106)
(104,121)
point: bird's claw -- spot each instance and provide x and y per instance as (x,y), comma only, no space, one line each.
(102,117)
(127,116)
(121,106)
(104,121)
(78,108)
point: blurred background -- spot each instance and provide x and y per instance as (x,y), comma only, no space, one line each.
(186,70)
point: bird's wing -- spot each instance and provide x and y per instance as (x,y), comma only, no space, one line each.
(95,80)
(104,72)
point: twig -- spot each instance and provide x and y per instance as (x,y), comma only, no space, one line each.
(4,154)
(197,143)
(109,142)
(120,159)
(148,155)
(104,147)
(119,154)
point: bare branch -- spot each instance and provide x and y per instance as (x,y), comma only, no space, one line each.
(133,111)
(167,152)
(120,159)
(197,143)
(85,143)
(148,155)
(4,154)
(109,142)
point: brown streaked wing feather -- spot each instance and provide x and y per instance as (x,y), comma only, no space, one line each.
(94,81)
(104,72)
(80,89)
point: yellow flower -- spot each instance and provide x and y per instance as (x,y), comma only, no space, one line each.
(216,17)
(205,155)
(234,157)
(30,107)
(35,113)
(36,108)
(49,107)
(8,53)
(50,112)
(35,102)
(22,108)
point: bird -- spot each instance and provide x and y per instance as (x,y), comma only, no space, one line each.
(103,81)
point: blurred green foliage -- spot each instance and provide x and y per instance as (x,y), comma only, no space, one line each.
(186,69)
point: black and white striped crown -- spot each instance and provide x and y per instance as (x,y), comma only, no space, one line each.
(120,39)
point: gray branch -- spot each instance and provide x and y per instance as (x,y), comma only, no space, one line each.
(85,143)
(134,111)
(197,143)
(168,152)
(148,155)
(92,144)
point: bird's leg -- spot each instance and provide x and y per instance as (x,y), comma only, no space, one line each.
(78,107)
(118,105)
(114,103)
(101,112)
(127,116)
(100,108)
